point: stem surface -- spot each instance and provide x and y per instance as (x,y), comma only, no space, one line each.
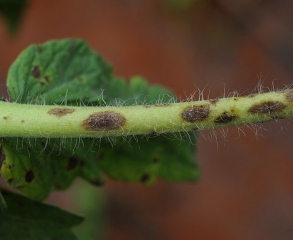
(22,120)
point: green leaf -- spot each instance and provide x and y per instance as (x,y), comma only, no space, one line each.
(29,220)
(67,71)
(58,72)
(12,11)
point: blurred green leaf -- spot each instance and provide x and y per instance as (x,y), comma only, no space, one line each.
(29,220)
(12,12)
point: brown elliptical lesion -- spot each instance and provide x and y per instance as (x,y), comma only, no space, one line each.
(104,121)
(195,113)
(267,107)
(225,117)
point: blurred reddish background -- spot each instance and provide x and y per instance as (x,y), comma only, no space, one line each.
(246,189)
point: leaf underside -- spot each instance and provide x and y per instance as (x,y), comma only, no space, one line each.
(68,72)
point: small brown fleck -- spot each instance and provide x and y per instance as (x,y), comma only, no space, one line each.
(155,160)
(29,176)
(267,107)
(72,163)
(36,72)
(10,180)
(154,134)
(60,112)
(163,105)
(42,83)
(47,78)
(5,118)
(103,121)
(289,96)
(225,118)
(214,101)
(196,113)
(144,178)
(22,121)
(277,118)
(146,106)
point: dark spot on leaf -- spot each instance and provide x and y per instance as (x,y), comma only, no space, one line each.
(98,182)
(22,121)
(267,107)
(42,83)
(60,112)
(103,121)
(36,72)
(101,156)
(29,176)
(214,101)
(155,160)
(196,113)
(289,96)
(10,180)
(225,118)
(47,78)
(144,178)
(72,163)
(9,166)
(5,118)
(2,158)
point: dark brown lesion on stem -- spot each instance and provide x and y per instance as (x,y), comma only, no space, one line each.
(225,118)
(104,121)
(195,113)
(267,107)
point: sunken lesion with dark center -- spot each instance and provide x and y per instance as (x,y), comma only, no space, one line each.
(267,107)
(225,117)
(195,113)
(104,121)
(60,112)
